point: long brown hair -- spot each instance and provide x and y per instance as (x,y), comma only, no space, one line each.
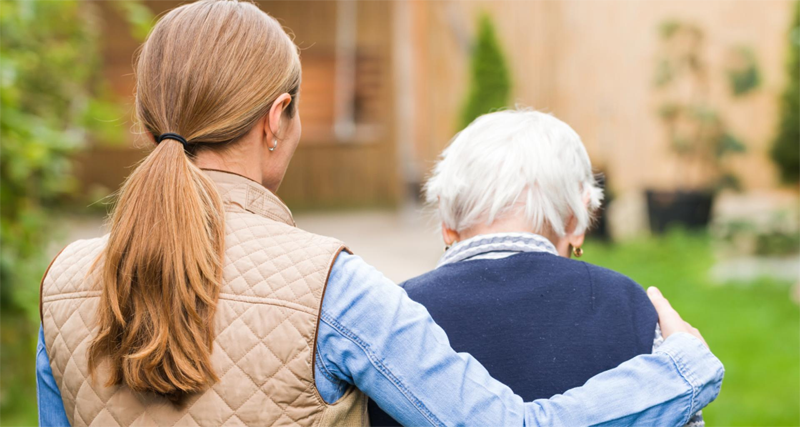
(208,71)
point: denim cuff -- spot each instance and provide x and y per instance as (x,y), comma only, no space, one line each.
(697,365)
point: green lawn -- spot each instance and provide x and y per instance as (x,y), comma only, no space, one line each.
(753,327)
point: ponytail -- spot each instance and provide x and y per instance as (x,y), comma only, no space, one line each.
(208,71)
(161,274)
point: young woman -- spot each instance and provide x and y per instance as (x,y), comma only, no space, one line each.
(515,194)
(205,305)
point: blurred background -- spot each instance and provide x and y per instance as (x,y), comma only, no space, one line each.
(690,111)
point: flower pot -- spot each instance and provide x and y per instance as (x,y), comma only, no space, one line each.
(689,209)
(599,229)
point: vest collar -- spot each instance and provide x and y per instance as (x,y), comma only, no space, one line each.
(249,195)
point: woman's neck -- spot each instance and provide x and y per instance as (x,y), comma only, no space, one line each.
(207,160)
(244,157)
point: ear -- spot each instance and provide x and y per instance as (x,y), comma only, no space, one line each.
(275,117)
(449,236)
(576,240)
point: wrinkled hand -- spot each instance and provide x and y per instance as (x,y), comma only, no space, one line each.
(668,318)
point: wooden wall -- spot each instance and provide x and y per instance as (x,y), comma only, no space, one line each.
(326,171)
(591,63)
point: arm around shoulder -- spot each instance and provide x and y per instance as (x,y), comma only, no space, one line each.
(373,336)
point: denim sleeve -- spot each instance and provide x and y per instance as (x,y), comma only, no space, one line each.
(48,396)
(697,419)
(372,336)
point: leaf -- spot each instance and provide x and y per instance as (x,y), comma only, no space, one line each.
(664,73)
(729,181)
(704,113)
(745,76)
(730,144)
(669,28)
(669,111)
(682,145)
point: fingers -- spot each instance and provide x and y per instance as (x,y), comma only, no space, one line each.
(661,304)
(694,331)
(669,319)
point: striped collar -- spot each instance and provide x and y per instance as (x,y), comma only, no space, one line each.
(495,246)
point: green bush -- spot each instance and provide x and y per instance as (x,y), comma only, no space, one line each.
(52,102)
(49,61)
(50,66)
(786,151)
(490,83)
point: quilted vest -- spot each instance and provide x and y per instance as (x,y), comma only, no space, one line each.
(266,324)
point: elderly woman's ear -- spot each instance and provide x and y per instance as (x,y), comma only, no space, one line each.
(449,236)
(575,241)
(571,243)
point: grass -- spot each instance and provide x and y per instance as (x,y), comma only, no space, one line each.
(753,327)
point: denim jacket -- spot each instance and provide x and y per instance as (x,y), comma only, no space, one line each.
(372,336)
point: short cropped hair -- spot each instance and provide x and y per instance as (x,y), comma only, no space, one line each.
(515,161)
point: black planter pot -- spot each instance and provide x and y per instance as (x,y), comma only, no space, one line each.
(600,227)
(689,209)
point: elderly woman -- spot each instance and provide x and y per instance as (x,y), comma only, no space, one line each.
(515,195)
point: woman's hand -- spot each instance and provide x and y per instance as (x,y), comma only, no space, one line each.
(668,318)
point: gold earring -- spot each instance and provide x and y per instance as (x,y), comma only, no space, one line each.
(577,252)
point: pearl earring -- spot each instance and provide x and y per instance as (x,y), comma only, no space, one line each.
(275,144)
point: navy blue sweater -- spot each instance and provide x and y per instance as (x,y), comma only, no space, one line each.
(539,323)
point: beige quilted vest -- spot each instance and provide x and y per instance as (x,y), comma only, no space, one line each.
(266,324)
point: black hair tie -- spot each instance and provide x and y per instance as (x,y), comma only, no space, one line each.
(176,137)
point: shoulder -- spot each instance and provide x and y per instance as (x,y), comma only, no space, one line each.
(355,286)
(434,276)
(69,267)
(351,268)
(481,270)
(557,269)
(83,246)
(607,280)
(526,264)
(617,289)
(242,226)
(78,255)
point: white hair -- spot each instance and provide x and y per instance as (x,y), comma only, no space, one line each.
(515,161)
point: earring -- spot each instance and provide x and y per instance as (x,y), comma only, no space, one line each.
(446,248)
(275,142)
(577,252)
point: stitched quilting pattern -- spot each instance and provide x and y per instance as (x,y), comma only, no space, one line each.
(266,319)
